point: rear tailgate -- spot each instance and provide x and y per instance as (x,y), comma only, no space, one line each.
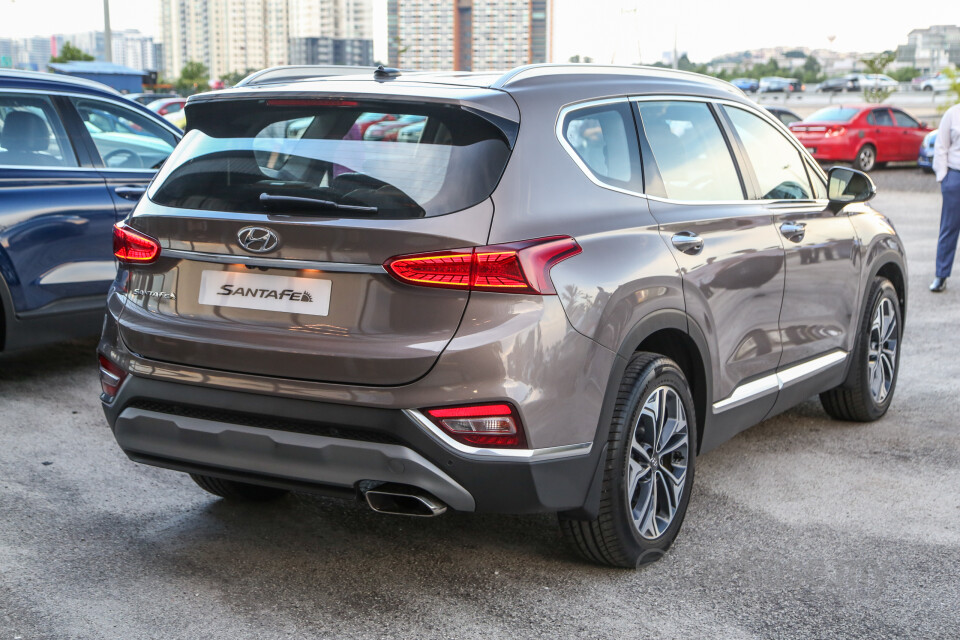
(319,209)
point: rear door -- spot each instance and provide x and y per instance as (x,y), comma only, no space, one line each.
(275,217)
(728,250)
(55,214)
(884,131)
(822,252)
(127,146)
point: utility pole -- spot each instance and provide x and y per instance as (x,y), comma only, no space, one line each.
(107,44)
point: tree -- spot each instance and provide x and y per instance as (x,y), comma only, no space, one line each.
(875,65)
(232,78)
(906,74)
(811,70)
(194,78)
(69,53)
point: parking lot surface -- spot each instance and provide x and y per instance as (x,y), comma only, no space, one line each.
(802,527)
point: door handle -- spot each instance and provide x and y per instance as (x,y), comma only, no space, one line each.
(688,242)
(793,231)
(130,192)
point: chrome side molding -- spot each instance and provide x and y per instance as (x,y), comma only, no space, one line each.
(754,389)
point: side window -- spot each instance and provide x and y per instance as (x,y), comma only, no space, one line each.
(605,140)
(880,117)
(903,120)
(776,162)
(690,151)
(31,134)
(124,138)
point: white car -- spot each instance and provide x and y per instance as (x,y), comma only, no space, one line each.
(939,82)
(876,81)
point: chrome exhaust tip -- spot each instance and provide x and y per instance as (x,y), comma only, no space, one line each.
(404,501)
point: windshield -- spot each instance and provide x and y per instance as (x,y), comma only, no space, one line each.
(332,158)
(833,114)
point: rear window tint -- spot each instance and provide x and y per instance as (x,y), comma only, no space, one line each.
(332,158)
(832,114)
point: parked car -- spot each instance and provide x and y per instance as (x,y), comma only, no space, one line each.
(438,324)
(147,98)
(387,131)
(166,105)
(411,133)
(177,119)
(938,83)
(75,156)
(785,116)
(749,85)
(836,85)
(925,157)
(780,85)
(875,81)
(868,135)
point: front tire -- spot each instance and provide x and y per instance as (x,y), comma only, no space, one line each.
(237,491)
(866,394)
(866,159)
(648,471)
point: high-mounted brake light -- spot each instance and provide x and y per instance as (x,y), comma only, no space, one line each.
(486,425)
(286,102)
(133,247)
(517,267)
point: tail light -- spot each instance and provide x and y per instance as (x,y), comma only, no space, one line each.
(485,425)
(517,267)
(133,247)
(833,132)
(111,376)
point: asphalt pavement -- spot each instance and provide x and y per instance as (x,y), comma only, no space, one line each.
(801,527)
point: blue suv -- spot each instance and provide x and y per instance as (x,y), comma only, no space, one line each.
(75,157)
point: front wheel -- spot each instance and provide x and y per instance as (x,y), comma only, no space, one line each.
(648,471)
(866,394)
(866,159)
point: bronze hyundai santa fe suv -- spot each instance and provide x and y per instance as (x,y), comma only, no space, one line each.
(541,291)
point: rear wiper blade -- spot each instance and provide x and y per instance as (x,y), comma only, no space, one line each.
(267,198)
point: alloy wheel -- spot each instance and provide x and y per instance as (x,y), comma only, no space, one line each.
(882,350)
(657,463)
(867,158)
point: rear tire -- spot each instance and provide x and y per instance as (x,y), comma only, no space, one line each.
(866,394)
(866,159)
(237,491)
(647,477)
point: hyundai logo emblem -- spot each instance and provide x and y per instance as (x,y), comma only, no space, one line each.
(258,239)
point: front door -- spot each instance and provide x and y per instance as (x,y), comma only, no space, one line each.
(728,251)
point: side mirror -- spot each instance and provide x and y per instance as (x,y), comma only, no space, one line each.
(848,185)
(924,124)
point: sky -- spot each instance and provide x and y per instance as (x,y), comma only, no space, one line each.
(619,31)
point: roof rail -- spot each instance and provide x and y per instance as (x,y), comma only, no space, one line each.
(559,69)
(57,77)
(291,73)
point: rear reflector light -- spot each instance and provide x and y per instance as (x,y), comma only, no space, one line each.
(835,131)
(488,425)
(311,103)
(111,376)
(131,246)
(517,267)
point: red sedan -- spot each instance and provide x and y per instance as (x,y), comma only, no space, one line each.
(867,135)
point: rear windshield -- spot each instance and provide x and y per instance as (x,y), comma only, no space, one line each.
(832,114)
(332,158)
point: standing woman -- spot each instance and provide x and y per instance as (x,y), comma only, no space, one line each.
(946,164)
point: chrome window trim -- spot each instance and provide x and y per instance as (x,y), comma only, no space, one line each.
(750,108)
(123,103)
(272,263)
(532,455)
(46,167)
(754,389)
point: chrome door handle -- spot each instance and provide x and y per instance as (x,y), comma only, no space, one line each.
(688,242)
(793,231)
(130,192)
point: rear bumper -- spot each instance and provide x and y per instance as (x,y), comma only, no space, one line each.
(334,449)
(825,149)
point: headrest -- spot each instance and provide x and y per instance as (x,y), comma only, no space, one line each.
(24,131)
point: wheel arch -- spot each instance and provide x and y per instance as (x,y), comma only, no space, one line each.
(893,271)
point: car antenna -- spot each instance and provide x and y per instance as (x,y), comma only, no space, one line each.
(385,73)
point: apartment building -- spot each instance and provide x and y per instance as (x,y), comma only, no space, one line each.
(468,35)
(239,35)
(931,49)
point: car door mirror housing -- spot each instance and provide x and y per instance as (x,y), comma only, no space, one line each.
(847,185)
